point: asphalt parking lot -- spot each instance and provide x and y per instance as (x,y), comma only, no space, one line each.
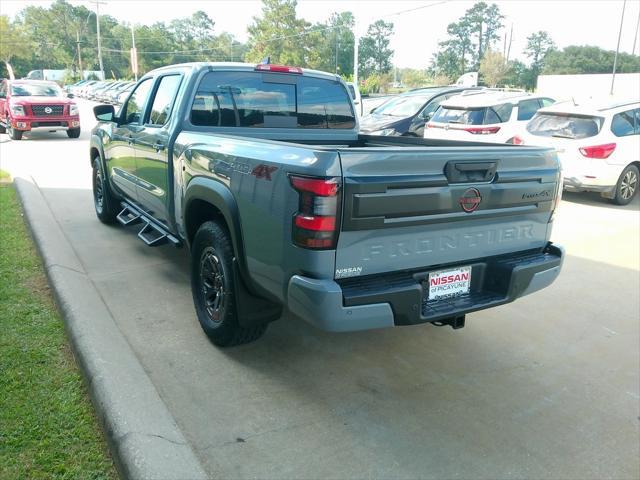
(546,387)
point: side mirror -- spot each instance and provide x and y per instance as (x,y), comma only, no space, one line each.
(428,116)
(104,113)
(70,95)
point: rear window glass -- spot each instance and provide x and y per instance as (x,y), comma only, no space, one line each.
(474,116)
(460,115)
(263,100)
(564,126)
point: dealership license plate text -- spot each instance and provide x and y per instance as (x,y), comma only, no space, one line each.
(448,283)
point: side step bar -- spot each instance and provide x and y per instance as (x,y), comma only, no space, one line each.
(151,233)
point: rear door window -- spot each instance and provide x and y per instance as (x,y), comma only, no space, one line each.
(268,100)
(564,125)
(623,124)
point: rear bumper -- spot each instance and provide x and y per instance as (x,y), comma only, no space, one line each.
(399,299)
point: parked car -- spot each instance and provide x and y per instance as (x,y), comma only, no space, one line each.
(406,114)
(112,95)
(101,95)
(260,171)
(123,94)
(79,90)
(485,116)
(27,105)
(598,146)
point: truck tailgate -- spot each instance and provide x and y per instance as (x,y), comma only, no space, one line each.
(410,208)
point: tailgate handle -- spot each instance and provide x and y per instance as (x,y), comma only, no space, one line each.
(465,172)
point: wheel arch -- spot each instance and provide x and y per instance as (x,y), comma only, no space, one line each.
(206,199)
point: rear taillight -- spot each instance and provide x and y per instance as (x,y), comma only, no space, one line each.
(598,151)
(482,130)
(316,221)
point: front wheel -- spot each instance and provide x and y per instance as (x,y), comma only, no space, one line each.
(214,290)
(627,186)
(73,132)
(14,134)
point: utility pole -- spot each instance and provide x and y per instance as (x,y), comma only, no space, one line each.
(134,54)
(615,59)
(510,40)
(355,52)
(635,38)
(98,3)
(79,54)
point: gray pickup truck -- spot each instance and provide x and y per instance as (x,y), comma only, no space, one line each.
(261,172)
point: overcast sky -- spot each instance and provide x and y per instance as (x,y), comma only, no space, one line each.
(417,31)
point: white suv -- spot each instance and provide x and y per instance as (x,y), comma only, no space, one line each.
(485,116)
(598,146)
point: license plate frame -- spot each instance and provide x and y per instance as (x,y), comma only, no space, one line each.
(457,281)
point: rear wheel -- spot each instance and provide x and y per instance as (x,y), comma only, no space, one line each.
(214,289)
(627,186)
(106,206)
(73,132)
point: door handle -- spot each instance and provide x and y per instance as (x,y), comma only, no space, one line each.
(464,172)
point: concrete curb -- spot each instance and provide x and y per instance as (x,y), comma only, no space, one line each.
(145,440)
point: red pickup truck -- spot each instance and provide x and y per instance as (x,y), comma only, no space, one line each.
(27,105)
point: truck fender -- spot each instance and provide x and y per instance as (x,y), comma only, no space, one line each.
(253,307)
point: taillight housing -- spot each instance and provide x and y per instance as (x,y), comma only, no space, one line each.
(598,151)
(315,224)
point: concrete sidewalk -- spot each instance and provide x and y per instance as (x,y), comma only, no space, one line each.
(144,437)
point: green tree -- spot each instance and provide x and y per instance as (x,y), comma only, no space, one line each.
(14,42)
(539,44)
(374,52)
(468,38)
(588,59)
(331,44)
(484,22)
(493,68)
(519,75)
(278,34)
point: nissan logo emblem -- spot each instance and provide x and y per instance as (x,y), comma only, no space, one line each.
(47,110)
(470,200)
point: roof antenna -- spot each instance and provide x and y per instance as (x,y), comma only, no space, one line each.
(266,60)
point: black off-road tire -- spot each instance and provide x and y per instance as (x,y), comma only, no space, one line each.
(15,134)
(73,132)
(627,186)
(106,206)
(214,289)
